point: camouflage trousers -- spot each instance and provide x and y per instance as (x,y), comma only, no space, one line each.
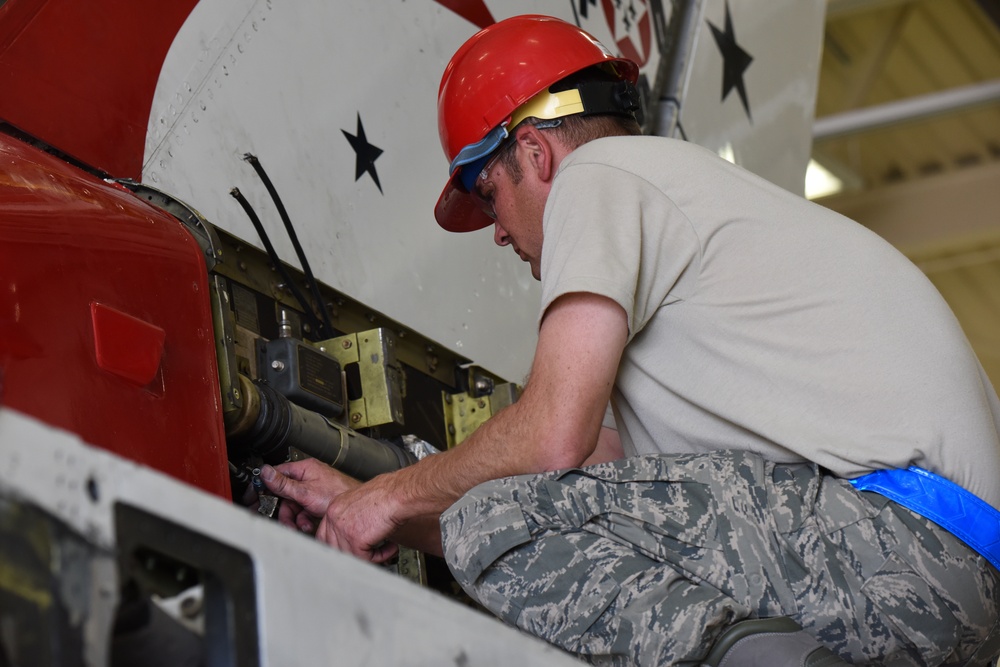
(645,561)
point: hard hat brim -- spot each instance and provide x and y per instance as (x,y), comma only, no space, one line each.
(458,211)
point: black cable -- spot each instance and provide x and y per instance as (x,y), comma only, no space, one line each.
(313,286)
(238,196)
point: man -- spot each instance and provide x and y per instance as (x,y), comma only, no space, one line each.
(762,350)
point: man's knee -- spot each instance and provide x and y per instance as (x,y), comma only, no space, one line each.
(479,528)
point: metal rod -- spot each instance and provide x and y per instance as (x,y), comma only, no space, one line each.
(908,110)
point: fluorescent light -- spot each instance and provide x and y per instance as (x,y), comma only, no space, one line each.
(820,182)
(726,153)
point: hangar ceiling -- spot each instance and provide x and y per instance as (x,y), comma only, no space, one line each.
(908,117)
(908,89)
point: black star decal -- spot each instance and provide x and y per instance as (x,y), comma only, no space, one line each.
(734,61)
(365,154)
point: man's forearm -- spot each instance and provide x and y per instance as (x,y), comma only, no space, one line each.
(554,425)
(515,441)
(501,447)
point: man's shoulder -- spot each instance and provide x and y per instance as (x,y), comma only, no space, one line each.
(632,153)
(615,145)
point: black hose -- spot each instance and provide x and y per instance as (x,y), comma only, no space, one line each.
(296,292)
(313,286)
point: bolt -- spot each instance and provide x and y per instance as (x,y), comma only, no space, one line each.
(278,365)
(191,606)
(482,403)
(356,417)
(347,344)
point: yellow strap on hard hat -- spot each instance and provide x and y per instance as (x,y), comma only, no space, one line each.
(546,106)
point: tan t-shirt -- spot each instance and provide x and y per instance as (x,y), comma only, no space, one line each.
(761,321)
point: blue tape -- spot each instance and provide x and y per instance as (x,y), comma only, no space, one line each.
(960,512)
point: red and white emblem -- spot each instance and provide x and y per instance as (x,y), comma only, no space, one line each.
(631,28)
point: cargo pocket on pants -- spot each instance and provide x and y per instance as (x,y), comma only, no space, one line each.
(648,502)
(916,613)
(542,584)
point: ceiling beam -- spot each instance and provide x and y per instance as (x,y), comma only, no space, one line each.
(874,61)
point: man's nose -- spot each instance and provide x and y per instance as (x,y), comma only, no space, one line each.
(500,235)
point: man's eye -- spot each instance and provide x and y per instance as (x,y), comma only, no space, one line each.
(486,203)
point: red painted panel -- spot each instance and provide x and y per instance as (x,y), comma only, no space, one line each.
(67,241)
(80,76)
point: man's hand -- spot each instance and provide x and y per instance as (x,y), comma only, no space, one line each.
(307,487)
(350,516)
(360,522)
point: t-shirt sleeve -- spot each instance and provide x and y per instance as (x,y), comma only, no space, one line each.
(609,232)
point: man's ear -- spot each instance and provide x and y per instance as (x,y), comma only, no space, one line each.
(540,152)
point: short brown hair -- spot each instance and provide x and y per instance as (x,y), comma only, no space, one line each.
(572,132)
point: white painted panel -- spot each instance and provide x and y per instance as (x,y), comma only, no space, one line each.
(286,81)
(784,38)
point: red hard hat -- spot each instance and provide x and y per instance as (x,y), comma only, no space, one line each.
(496,71)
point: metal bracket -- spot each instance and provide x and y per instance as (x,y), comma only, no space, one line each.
(382,381)
(224,326)
(465,412)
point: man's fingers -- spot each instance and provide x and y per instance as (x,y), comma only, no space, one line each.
(379,553)
(302,469)
(284,486)
(383,552)
(305,524)
(288,511)
(249,495)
